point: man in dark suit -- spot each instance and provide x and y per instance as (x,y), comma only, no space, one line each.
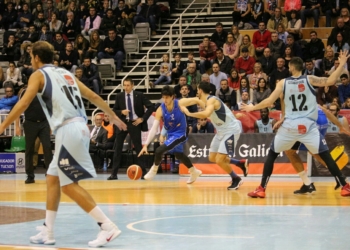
(98,142)
(130,108)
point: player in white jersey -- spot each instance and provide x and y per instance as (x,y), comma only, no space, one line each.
(265,124)
(300,120)
(228,130)
(60,96)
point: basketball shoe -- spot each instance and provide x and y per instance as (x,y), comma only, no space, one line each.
(345,191)
(306,189)
(259,192)
(194,174)
(244,166)
(108,232)
(236,182)
(44,237)
(151,173)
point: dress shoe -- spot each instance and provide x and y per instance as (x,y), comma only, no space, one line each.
(29,180)
(112,177)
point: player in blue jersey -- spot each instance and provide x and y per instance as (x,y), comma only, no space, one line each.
(228,130)
(176,127)
(301,114)
(60,96)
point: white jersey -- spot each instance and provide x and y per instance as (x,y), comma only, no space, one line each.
(60,97)
(265,128)
(223,119)
(332,128)
(299,98)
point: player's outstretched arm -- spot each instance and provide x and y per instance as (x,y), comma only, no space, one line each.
(209,109)
(99,102)
(190,101)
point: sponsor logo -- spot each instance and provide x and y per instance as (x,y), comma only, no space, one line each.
(64,162)
(69,79)
(302,129)
(301,87)
(7,161)
(245,151)
(77,175)
(196,152)
(172,117)
(20,161)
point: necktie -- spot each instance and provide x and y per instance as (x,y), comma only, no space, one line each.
(130,108)
(94,135)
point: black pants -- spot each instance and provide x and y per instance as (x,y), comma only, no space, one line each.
(33,130)
(135,134)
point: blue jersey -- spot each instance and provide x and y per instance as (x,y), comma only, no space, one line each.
(174,120)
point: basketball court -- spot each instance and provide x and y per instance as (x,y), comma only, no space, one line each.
(169,214)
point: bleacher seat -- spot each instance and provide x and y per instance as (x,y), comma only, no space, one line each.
(131,45)
(106,69)
(2,37)
(143,31)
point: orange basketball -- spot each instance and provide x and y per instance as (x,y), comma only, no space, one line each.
(134,172)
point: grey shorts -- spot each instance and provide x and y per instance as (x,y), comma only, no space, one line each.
(224,144)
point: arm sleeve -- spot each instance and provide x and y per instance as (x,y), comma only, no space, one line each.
(152,132)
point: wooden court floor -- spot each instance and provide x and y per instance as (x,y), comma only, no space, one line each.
(145,209)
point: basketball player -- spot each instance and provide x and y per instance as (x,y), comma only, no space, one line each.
(176,127)
(300,120)
(227,134)
(332,128)
(265,124)
(60,94)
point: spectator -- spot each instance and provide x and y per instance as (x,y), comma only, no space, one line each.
(71,28)
(344,71)
(332,128)
(203,126)
(244,87)
(282,33)
(315,49)
(10,99)
(24,63)
(37,10)
(108,22)
(12,49)
(90,71)
(219,36)
(45,34)
(148,13)
(69,58)
(165,72)
(190,59)
(38,23)
(184,93)
(119,10)
(223,61)
(24,18)
(235,32)
(261,39)
(50,10)
(281,72)
(290,5)
(226,94)
(207,54)
(327,61)
(268,63)
(231,47)
(125,25)
(288,54)
(93,4)
(70,8)
(92,22)
(217,76)
(246,43)
(245,64)
(111,131)
(344,89)
(294,26)
(59,44)
(82,14)
(326,7)
(79,75)
(98,142)
(103,11)
(336,101)
(112,47)
(340,44)
(275,20)
(344,13)
(325,95)
(277,46)
(241,13)
(9,17)
(243,100)
(310,69)
(95,43)
(269,7)
(347,103)
(261,92)
(312,9)
(81,46)
(192,76)
(265,124)
(339,28)
(295,46)
(206,78)
(182,82)
(55,24)
(177,67)
(2,77)
(31,35)
(234,80)
(256,75)
(13,77)
(257,13)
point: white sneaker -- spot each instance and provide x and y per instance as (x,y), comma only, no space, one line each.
(194,175)
(44,237)
(151,173)
(109,231)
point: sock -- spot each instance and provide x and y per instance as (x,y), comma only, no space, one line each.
(233,175)
(268,168)
(191,169)
(98,215)
(155,168)
(234,161)
(304,177)
(50,219)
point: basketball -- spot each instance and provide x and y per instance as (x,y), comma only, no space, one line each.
(134,172)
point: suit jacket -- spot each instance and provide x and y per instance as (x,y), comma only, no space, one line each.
(139,104)
(101,140)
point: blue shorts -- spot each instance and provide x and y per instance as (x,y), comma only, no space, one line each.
(176,142)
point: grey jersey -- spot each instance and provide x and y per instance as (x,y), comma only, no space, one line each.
(265,128)
(332,128)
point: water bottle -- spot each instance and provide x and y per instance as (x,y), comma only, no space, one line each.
(105,165)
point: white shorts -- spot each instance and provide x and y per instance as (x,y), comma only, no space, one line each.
(71,161)
(224,144)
